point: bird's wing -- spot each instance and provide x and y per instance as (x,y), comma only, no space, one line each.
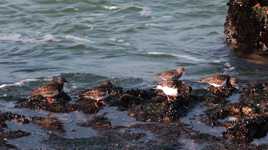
(46,91)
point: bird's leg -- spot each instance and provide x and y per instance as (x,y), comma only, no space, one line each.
(168,98)
(50,100)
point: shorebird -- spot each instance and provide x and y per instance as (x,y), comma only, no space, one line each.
(51,89)
(174,74)
(169,88)
(98,93)
(219,80)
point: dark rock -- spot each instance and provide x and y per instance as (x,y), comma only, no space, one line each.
(49,123)
(221,91)
(13,134)
(246,27)
(89,105)
(256,94)
(40,103)
(248,129)
(129,98)
(235,110)
(159,109)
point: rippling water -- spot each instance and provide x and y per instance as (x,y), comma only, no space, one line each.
(112,38)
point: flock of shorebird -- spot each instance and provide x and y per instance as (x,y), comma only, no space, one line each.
(168,82)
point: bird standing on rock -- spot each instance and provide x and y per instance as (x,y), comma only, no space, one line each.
(219,80)
(98,93)
(51,89)
(170,81)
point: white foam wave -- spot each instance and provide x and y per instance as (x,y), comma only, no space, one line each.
(19,83)
(187,57)
(28,39)
(77,39)
(111,7)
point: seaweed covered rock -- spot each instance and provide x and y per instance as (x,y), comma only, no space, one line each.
(157,107)
(49,123)
(246,27)
(227,114)
(256,95)
(49,96)
(248,129)
(133,97)
(61,104)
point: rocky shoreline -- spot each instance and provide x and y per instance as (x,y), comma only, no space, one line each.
(242,121)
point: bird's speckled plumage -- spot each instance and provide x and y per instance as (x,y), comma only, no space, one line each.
(217,80)
(51,89)
(97,93)
(172,74)
(169,88)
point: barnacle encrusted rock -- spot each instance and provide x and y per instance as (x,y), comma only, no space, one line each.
(246,27)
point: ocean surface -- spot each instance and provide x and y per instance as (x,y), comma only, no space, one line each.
(114,39)
(126,41)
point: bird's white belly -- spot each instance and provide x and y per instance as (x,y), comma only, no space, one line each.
(51,93)
(168,90)
(218,85)
(97,97)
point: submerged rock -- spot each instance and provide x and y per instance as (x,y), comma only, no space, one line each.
(49,123)
(13,134)
(97,122)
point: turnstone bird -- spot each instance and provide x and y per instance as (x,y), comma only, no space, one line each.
(172,74)
(51,89)
(169,88)
(98,93)
(219,80)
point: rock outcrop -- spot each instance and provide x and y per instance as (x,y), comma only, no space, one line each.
(246,27)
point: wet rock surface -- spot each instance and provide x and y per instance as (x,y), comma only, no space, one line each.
(244,120)
(9,118)
(137,118)
(97,122)
(247,129)
(61,103)
(246,27)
